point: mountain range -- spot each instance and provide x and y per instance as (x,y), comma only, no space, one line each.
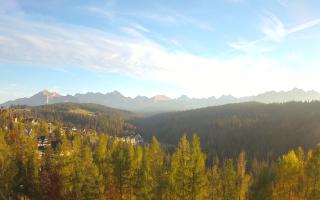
(161,103)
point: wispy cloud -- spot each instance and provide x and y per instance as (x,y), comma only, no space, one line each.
(109,14)
(303,26)
(274,31)
(140,28)
(273,28)
(165,17)
(25,41)
(175,18)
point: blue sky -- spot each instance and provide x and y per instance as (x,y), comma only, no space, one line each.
(199,48)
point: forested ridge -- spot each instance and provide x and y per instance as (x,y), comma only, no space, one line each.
(85,116)
(264,131)
(98,166)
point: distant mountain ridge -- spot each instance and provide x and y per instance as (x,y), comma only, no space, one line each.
(161,103)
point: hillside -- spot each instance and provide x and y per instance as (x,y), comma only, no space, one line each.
(259,129)
(86,116)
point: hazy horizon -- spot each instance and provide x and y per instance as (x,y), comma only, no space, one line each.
(199,49)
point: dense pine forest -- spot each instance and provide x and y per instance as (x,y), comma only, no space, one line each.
(265,131)
(87,165)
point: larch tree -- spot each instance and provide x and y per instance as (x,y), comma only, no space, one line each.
(7,169)
(122,170)
(180,171)
(229,181)
(214,188)
(156,159)
(144,177)
(92,187)
(102,157)
(286,185)
(312,171)
(244,179)
(198,178)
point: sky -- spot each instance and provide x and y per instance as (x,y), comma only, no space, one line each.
(198,48)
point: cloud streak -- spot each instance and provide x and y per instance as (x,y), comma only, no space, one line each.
(274,32)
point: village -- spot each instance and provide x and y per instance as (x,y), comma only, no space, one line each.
(49,135)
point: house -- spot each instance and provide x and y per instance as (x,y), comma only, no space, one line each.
(50,127)
(43,142)
(2,110)
(131,139)
(28,131)
(31,121)
(138,138)
(55,144)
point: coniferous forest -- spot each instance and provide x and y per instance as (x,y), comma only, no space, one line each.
(51,162)
(264,131)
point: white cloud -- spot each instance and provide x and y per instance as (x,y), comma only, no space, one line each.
(23,41)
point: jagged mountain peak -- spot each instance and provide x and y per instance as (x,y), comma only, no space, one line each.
(183,97)
(47,93)
(159,98)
